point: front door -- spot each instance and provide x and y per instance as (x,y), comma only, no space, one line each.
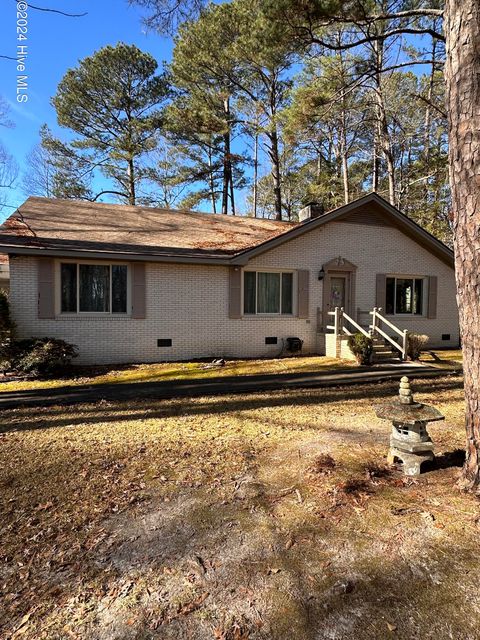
(338,292)
(338,289)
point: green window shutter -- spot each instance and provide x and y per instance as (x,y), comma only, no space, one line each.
(235,293)
(381,291)
(432,296)
(46,288)
(303,284)
(139,298)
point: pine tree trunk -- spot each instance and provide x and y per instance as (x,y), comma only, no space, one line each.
(381,116)
(462,76)
(255,176)
(375,161)
(211,182)
(232,191)
(131,182)
(343,136)
(275,162)
(385,144)
(227,160)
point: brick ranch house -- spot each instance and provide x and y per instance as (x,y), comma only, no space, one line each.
(132,284)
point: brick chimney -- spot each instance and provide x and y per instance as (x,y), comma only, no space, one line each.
(311,210)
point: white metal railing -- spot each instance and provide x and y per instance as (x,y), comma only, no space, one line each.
(375,328)
(339,328)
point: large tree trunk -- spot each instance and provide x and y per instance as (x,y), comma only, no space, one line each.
(462,76)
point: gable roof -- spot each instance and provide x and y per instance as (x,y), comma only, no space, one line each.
(96,230)
(369,209)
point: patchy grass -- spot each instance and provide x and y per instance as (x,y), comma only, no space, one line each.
(165,371)
(443,358)
(242,517)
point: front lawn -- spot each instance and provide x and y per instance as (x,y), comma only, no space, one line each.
(165,371)
(443,358)
(262,516)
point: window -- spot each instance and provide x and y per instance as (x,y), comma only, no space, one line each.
(268,292)
(93,288)
(404,296)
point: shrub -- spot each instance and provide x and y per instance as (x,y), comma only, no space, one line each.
(42,356)
(415,344)
(362,347)
(7,330)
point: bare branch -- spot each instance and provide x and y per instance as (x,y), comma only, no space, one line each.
(58,11)
(117,193)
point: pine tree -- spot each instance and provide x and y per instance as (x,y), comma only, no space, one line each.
(112,101)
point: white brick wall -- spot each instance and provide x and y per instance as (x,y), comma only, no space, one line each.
(189,303)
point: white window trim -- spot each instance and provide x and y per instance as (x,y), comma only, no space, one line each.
(90,314)
(271,315)
(400,276)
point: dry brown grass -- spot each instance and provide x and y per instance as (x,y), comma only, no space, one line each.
(225,518)
(170,371)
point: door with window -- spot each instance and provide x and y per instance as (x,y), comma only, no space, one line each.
(338,290)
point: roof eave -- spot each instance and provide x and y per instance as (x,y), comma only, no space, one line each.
(16,250)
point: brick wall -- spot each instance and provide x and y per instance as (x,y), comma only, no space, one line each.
(189,303)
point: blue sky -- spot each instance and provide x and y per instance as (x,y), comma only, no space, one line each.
(55,44)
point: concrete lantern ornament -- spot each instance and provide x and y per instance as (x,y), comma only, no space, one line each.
(409,440)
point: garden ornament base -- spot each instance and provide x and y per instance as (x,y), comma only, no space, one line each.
(409,440)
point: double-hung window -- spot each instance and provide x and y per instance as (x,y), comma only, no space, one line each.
(268,292)
(405,296)
(93,288)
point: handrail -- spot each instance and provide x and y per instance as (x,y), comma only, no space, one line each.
(376,315)
(340,315)
(338,328)
(355,324)
(387,322)
(390,339)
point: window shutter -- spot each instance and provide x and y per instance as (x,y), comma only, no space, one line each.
(235,293)
(303,282)
(381,291)
(138,290)
(432,296)
(46,288)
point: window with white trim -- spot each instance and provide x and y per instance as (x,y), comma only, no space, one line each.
(268,292)
(405,296)
(93,288)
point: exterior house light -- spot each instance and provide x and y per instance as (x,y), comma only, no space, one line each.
(321,274)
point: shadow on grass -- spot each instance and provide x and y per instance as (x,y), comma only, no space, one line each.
(58,412)
(446,460)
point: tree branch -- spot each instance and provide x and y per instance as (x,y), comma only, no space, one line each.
(117,193)
(373,38)
(62,13)
(409,13)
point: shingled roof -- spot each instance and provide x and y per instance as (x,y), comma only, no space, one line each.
(70,228)
(97,227)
